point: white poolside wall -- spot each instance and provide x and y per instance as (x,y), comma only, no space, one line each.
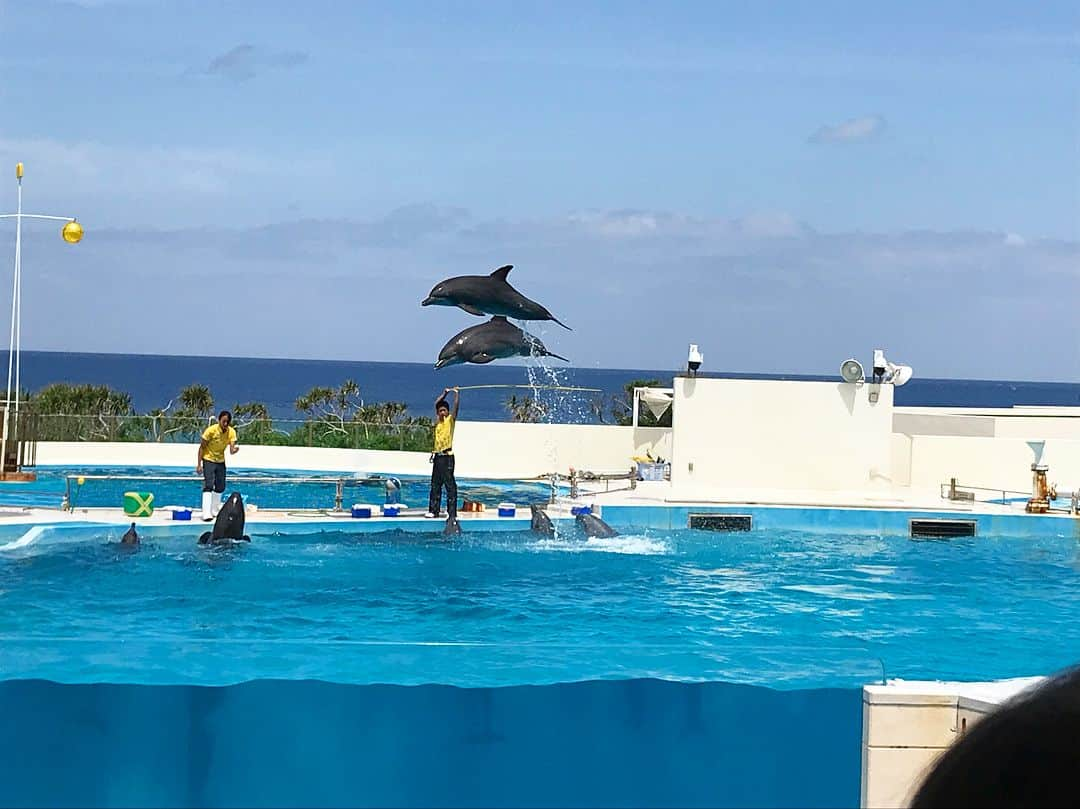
(738,435)
(483,449)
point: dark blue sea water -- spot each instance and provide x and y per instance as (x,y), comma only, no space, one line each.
(153,381)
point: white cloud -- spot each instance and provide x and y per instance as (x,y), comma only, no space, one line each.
(763,291)
(1015,240)
(162,182)
(850,131)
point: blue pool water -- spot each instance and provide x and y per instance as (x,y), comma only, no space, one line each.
(656,668)
(784,609)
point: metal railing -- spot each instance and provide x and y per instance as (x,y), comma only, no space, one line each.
(959,492)
(340,483)
(337,434)
(577,476)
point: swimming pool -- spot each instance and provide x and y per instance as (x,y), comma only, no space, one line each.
(784,609)
(656,668)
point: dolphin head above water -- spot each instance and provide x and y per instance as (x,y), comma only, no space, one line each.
(593,526)
(229,525)
(540,522)
(131,537)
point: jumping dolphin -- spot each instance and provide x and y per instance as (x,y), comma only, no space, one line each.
(488,295)
(495,340)
(131,537)
(541,523)
(229,525)
(593,526)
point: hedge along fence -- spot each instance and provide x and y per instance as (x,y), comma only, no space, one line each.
(332,433)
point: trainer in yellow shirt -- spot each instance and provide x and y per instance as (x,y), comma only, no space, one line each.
(442,459)
(211,461)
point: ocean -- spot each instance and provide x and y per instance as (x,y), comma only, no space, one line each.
(153,381)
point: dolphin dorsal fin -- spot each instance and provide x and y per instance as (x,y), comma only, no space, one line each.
(501,273)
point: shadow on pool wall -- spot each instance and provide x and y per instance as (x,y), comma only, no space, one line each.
(306,743)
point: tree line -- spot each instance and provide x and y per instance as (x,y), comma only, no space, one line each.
(326,417)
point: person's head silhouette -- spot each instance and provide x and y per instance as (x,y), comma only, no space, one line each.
(1025,754)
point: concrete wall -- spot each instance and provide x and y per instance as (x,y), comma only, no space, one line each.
(990,462)
(1026,423)
(484,450)
(908,726)
(738,433)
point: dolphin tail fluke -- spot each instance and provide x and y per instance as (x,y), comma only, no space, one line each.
(205,538)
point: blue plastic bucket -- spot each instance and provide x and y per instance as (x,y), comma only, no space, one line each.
(181,514)
(361,512)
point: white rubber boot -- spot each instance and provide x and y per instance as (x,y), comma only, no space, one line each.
(216,504)
(207,501)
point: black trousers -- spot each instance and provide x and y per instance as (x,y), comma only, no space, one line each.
(442,476)
(213,476)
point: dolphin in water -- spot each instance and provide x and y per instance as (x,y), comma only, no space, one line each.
(131,537)
(541,523)
(593,526)
(229,525)
(452,527)
(495,340)
(488,295)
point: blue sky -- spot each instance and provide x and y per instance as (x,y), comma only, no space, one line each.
(785,184)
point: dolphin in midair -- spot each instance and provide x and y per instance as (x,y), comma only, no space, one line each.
(488,295)
(229,525)
(495,340)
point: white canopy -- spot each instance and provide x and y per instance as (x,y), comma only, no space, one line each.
(658,400)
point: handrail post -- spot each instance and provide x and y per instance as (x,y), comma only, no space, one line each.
(339,496)
(65,505)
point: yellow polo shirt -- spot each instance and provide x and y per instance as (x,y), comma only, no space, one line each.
(444,434)
(216,441)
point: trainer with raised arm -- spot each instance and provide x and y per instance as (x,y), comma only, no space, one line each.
(442,458)
(211,462)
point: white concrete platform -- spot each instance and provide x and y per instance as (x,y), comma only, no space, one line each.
(907,725)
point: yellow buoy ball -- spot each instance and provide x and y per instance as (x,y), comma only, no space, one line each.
(72,232)
(81,481)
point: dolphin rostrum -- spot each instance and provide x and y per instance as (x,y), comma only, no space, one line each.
(495,340)
(488,295)
(229,525)
(131,537)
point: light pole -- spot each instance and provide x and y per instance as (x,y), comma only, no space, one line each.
(71,233)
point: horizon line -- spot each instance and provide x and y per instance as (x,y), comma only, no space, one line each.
(673,373)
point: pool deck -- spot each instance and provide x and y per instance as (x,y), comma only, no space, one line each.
(884,511)
(649,505)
